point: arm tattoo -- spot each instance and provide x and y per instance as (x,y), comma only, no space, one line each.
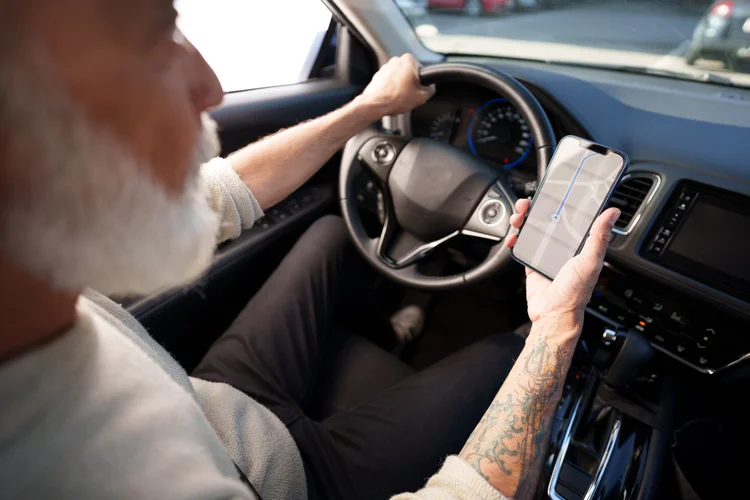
(510,440)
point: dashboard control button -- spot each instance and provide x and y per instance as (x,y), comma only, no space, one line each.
(646,318)
(663,339)
(656,249)
(661,241)
(637,299)
(681,207)
(679,318)
(705,337)
(666,233)
(687,195)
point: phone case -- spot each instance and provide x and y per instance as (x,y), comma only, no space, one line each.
(591,146)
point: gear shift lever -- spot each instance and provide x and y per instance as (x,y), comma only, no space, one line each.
(635,352)
(593,460)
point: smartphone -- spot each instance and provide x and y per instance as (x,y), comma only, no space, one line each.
(576,187)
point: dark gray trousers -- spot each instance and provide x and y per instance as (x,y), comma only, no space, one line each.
(279,345)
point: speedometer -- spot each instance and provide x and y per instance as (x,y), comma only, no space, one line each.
(443,127)
(498,132)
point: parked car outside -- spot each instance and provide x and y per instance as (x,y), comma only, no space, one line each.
(723,33)
(472,7)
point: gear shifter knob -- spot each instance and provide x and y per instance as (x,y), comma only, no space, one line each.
(635,352)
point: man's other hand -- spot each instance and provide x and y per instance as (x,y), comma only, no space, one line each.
(396,88)
(566,297)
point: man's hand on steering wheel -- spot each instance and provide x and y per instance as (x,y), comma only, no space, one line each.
(434,191)
(566,297)
(396,89)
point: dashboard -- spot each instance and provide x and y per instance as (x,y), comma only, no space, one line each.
(679,271)
(479,121)
(486,125)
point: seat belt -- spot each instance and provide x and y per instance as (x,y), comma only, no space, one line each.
(246,481)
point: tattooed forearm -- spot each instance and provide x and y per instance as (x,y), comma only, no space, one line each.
(509,442)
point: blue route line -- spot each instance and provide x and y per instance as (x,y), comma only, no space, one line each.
(570,188)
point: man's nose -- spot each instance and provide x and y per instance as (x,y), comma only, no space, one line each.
(205,88)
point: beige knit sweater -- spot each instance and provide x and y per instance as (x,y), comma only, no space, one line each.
(104,412)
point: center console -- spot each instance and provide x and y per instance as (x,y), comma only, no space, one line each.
(613,426)
(700,336)
(610,429)
(696,234)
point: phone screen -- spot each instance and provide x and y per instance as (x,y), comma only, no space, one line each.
(577,185)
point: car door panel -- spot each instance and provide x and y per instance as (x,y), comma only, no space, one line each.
(187,320)
(247,116)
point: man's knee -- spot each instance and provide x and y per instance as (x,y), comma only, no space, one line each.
(503,343)
(327,237)
(497,352)
(330,226)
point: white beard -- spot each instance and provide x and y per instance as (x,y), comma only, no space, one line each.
(85,213)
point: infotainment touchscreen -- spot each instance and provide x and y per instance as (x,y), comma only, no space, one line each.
(704,233)
(716,237)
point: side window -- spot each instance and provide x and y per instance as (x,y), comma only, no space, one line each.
(252,44)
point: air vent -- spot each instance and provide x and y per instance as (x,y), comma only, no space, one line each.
(630,196)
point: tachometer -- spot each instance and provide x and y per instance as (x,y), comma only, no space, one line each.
(498,132)
(444,126)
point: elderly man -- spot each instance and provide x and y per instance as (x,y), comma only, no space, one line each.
(107,182)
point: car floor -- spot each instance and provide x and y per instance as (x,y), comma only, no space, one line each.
(457,319)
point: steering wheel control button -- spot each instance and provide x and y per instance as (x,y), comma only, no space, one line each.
(383,153)
(378,155)
(491,212)
(490,220)
(494,193)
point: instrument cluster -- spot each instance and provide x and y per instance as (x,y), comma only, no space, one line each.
(481,122)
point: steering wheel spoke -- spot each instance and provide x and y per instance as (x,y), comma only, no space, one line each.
(491,218)
(434,191)
(379,153)
(399,249)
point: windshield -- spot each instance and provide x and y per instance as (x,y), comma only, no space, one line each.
(690,39)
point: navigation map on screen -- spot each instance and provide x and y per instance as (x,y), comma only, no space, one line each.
(571,196)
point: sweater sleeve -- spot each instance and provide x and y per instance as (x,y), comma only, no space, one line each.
(229,197)
(456,480)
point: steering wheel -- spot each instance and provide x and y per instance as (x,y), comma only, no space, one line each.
(433,191)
